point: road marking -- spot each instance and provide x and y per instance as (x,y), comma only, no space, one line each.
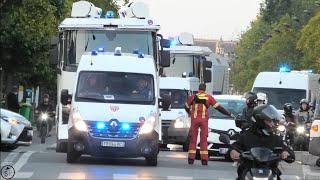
(307,173)
(289,177)
(24,175)
(179,177)
(22,161)
(9,159)
(124,177)
(72,176)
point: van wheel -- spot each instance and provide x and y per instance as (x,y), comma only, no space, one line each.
(152,160)
(318,162)
(72,155)
(185,146)
(61,146)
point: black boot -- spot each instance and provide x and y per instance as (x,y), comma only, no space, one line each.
(190,161)
(204,162)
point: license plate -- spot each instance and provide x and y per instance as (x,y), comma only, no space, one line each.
(223,150)
(112,144)
(30,132)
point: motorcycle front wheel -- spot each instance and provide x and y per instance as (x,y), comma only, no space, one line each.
(43,134)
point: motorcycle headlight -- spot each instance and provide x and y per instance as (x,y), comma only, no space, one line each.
(179,122)
(300,129)
(44,116)
(148,125)
(281,128)
(79,124)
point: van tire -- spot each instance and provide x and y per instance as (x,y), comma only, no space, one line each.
(72,155)
(152,160)
(318,162)
(185,146)
(61,147)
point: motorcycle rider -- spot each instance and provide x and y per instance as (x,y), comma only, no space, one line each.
(261,134)
(45,107)
(246,120)
(304,112)
(261,98)
(290,120)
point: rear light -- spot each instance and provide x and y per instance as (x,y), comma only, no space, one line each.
(315,128)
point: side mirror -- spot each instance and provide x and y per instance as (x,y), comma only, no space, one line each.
(165,43)
(207,76)
(224,139)
(64,96)
(165,59)
(165,102)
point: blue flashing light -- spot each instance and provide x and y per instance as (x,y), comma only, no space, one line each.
(136,51)
(174,43)
(125,126)
(110,14)
(150,22)
(101,125)
(141,55)
(285,69)
(94,53)
(100,49)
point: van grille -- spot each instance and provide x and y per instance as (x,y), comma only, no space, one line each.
(106,132)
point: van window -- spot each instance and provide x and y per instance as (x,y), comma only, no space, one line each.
(115,87)
(279,96)
(178,97)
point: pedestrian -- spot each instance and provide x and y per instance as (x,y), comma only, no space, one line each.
(197,107)
(12,100)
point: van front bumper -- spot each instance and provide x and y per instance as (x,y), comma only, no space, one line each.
(144,145)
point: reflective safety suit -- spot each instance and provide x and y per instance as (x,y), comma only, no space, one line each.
(197,107)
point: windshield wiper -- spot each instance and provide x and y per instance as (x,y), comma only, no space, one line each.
(92,99)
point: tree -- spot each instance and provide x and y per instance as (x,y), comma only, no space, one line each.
(309,43)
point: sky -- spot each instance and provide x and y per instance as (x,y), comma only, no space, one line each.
(204,18)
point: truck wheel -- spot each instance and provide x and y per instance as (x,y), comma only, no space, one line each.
(318,162)
(198,157)
(186,145)
(152,160)
(72,155)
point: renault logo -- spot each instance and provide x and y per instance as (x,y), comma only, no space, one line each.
(113,125)
(231,132)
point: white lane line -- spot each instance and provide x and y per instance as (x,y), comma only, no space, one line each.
(24,175)
(9,159)
(72,176)
(22,161)
(179,177)
(124,177)
(289,177)
(307,173)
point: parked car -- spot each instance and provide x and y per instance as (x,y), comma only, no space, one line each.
(314,145)
(15,129)
(222,124)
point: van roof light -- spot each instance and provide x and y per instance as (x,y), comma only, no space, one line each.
(141,55)
(136,51)
(94,53)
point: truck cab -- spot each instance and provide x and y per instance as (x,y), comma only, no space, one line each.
(114,54)
(176,122)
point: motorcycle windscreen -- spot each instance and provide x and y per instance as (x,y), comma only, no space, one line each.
(262,154)
(270,112)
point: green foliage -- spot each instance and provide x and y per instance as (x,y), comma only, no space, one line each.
(261,48)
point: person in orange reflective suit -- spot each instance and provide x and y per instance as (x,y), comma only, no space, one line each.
(197,107)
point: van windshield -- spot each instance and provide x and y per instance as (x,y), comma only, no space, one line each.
(178,97)
(279,96)
(232,105)
(115,87)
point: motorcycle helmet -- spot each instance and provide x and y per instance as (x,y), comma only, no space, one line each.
(251,98)
(46,98)
(304,101)
(266,117)
(287,108)
(261,98)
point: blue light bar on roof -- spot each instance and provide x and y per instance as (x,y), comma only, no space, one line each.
(110,14)
(285,69)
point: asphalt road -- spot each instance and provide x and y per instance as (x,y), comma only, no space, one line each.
(40,161)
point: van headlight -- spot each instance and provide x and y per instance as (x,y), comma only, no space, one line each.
(79,124)
(300,129)
(12,121)
(148,125)
(179,123)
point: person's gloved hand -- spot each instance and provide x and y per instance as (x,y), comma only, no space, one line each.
(232,116)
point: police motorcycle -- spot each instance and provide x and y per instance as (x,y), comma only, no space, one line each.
(43,124)
(302,135)
(287,131)
(263,161)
